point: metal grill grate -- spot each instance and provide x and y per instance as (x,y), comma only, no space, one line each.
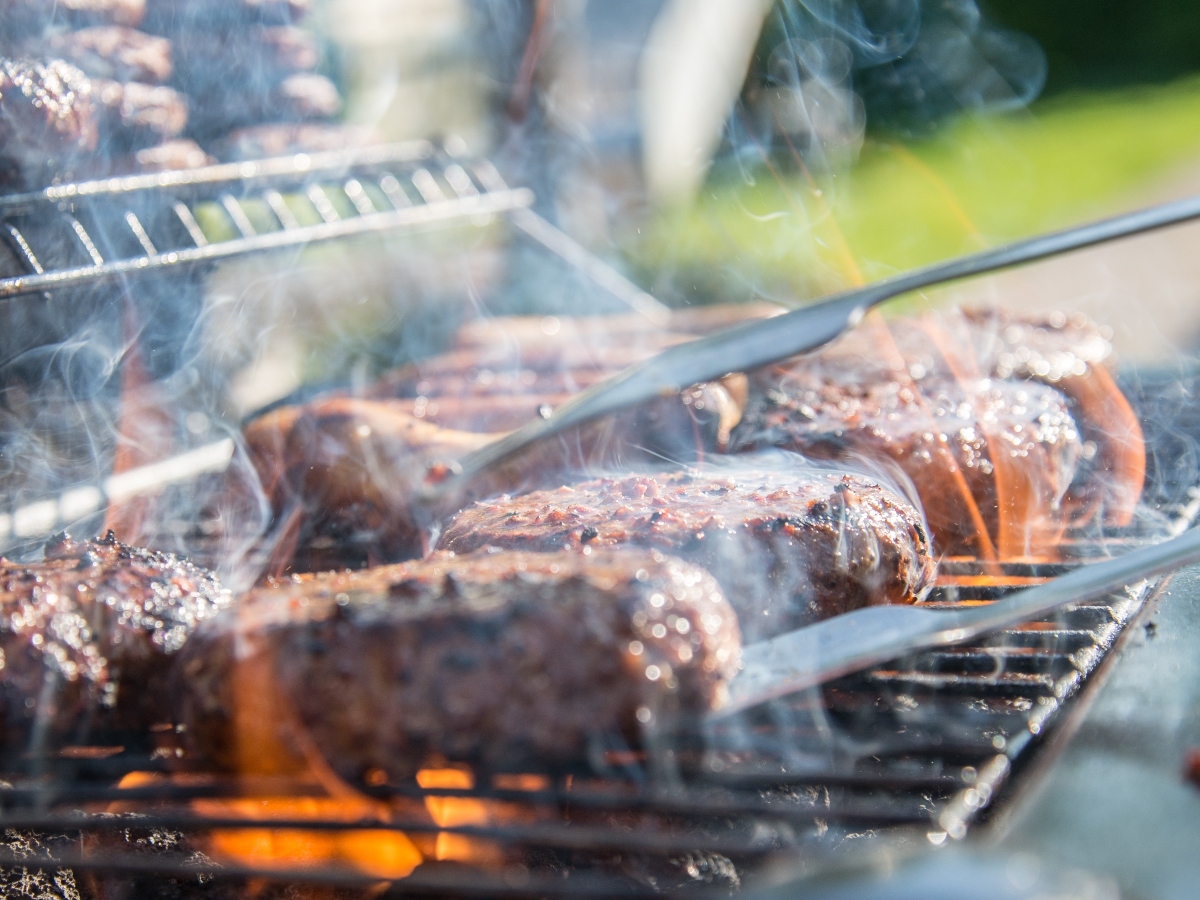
(909,754)
(76,235)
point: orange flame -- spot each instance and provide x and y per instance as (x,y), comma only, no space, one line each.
(453,812)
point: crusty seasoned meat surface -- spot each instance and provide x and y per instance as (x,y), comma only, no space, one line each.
(48,122)
(492,659)
(1010,431)
(349,467)
(88,636)
(955,442)
(342,474)
(135,116)
(1072,354)
(503,387)
(111,52)
(787,547)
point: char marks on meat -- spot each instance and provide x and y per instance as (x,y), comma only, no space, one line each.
(87,637)
(787,548)
(493,658)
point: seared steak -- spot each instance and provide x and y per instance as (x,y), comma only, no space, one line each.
(87,637)
(1072,354)
(941,396)
(955,442)
(493,658)
(787,548)
(48,122)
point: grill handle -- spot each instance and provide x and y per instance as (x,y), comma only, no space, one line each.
(810,656)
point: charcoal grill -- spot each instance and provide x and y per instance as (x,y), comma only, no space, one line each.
(907,757)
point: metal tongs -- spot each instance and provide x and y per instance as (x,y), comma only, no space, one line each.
(761,343)
(810,656)
(813,655)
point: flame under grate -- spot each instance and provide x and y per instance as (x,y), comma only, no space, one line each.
(911,753)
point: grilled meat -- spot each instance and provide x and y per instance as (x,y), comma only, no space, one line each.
(48,122)
(956,442)
(786,547)
(503,387)
(297,98)
(1072,354)
(21,17)
(348,467)
(165,157)
(284,138)
(938,395)
(341,475)
(135,116)
(111,52)
(493,658)
(87,638)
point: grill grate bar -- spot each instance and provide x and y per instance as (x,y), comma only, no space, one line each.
(139,232)
(189,222)
(24,249)
(283,212)
(336,186)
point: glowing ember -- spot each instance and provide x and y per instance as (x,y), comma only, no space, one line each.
(376,852)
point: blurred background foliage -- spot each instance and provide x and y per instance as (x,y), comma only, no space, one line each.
(995,122)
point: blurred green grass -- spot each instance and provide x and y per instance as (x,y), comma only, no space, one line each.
(776,232)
